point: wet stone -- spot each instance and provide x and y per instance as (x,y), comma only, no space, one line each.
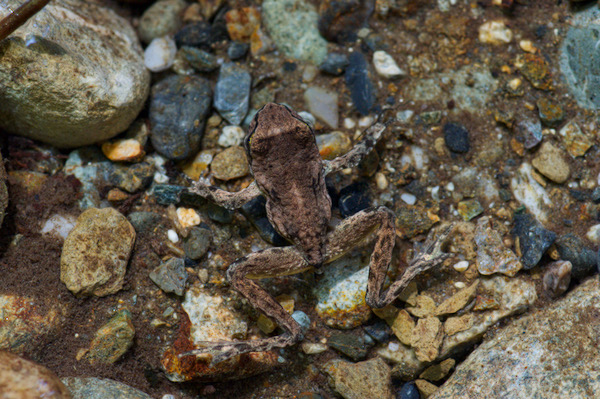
(237,50)
(353,199)
(456,137)
(557,277)
(197,34)
(256,213)
(361,88)
(573,249)
(549,161)
(131,178)
(160,54)
(368,379)
(334,64)
(492,255)
(95,253)
(167,194)
(230,164)
(170,276)
(349,344)
(469,209)
(112,340)
(160,19)
(408,391)
(200,60)
(179,106)
(536,70)
(332,145)
(197,242)
(144,222)
(101,388)
(551,113)
(232,93)
(533,239)
(528,132)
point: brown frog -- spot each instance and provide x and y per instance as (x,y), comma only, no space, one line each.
(288,170)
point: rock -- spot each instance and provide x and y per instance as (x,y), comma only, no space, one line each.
(101,388)
(457,301)
(549,161)
(426,389)
(178,108)
(112,340)
(557,278)
(302,319)
(368,379)
(144,222)
(170,276)
(349,344)
(340,20)
(536,70)
(197,34)
(528,132)
(492,255)
(207,318)
(237,50)
(427,338)
(332,145)
(412,220)
(160,54)
(424,306)
(361,89)
(231,135)
(26,322)
(130,178)
(334,64)
(438,371)
(242,22)
(530,193)
(292,24)
(495,32)
(550,350)
(95,253)
(572,248)
(469,209)
(456,138)
(230,164)
(198,59)
(578,58)
(386,66)
(551,113)
(576,142)
(408,391)
(406,364)
(124,150)
(66,92)
(532,239)
(256,213)
(232,93)
(353,199)
(197,242)
(161,19)
(341,293)
(323,104)
(23,379)
(403,326)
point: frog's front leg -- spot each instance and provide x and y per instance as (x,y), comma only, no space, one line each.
(224,198)
(241,274)
(357,228)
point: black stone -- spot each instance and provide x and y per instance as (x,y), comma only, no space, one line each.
(353,199)
(379,331)
(179,106)
(167,194)
(200,60)
(197,34)
(334,64)
(289,66)
(256,213)
(408,391)
(534,239)
(349,344)
(361,88)
(237,50)
(197,242)
(572,248)
(456,138)
(144,222)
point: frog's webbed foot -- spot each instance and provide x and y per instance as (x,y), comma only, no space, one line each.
(224,198)
(223,350)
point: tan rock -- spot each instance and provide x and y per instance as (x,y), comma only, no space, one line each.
(403,327)
(369,379)
(453,325)
(230,164)
(549,161)
(427,338)
(123,150)
(438,371)
(457,301)
(425,388)
(425,306)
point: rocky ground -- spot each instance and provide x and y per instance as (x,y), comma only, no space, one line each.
(110,267)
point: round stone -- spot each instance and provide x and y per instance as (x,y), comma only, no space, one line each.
(456,138)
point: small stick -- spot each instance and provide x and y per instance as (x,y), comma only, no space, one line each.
(18,17)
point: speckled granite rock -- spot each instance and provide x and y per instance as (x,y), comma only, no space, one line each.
(69,92)
(550,353)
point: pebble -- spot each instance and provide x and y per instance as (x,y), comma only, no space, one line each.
(198,59)
(573,249)
(349,344)
(292,24)
(101,388)
(232,93)
(179,106)
(302,319)
(313,348)
(332,145)
(495,32)
(242,22)
(197,242)
(344,21)
(408,391)
(334,64)
(367,379)
(95,253)
(323,104)
(379,331)
(172,236)
(532,239)
(461,266)
(24,379)
(231,135)
(492,255)
(353,199)
(170,276)
(403,326)
(124,150)
(469,209)
(196,167)
(112,340)
(456,137)
(237,50)
(49,105)
(130,178)
(144,222)
(187,217)
(230,164)
(160,54)
(386,66)
(536,70)
(528,132)
(427,338)
(412,220)
(550,112)
(549,161)
(576,142)
(197,34)
(530,193)
(557,277)
(255,211)
(161,19)
(457,301)
(361,89)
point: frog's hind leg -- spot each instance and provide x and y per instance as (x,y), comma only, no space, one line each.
(241,274)
(380,220)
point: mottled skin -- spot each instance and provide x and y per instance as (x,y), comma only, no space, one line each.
(288,171)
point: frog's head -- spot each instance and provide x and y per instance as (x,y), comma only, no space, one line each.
(272,123)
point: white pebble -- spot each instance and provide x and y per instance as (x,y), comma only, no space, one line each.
(231,135)
(435,193)
(593,234)
(495,32)
(365,121)
(460,285)
(386,66)
(408,198)
(461,266)
(382,181)
(349,123)
(160,54)
(450,186)
(172,235)
(59,224)
(393,346)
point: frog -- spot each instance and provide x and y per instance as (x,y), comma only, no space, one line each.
(289,172)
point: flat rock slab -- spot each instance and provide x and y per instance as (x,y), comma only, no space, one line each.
(550,353)
(95,253)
